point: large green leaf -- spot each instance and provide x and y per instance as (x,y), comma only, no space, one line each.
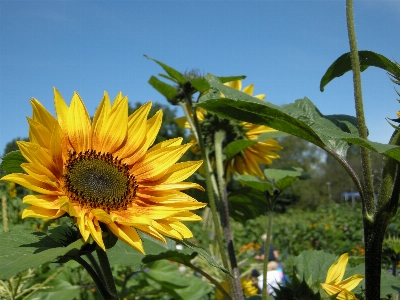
(301,118)
(21,250)
(203,253)
(176,284)
(254,182)
(170,71)
(367,59)
(247,203)
(163,88)
(313,265)
(11,163)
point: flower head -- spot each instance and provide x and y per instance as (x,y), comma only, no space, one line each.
(334,284)
(247,285)
(105,173)
(249,159)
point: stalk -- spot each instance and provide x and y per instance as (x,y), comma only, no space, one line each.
(218,139)
(267,246)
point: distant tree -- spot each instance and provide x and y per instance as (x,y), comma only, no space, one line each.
(12,146)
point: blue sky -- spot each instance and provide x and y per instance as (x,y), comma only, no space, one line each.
(284,48)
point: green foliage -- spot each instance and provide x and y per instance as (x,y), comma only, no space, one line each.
(342,65)
(11,163)
(333,133)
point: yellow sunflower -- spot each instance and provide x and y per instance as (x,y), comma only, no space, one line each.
(104,171)
(247,285)
(334,283)
(248,160)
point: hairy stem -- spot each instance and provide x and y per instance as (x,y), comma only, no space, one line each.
(218,139)
(368,200)
(267,245)
(211,198)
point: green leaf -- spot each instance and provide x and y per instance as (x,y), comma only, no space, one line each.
(58,289)
(125,255)
(300,118)
(281,173)
(313,265)
(183,256)
(247,203)
(170,71)
(254,182)
(203,253)
(21,250)
(11,163)
(176,284)
(165,89)
(236,147)
(367,59)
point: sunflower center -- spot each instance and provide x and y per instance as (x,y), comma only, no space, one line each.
(98,180)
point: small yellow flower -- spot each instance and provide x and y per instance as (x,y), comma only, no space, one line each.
(334,284)
(106,171)
(398,114)
(247,285)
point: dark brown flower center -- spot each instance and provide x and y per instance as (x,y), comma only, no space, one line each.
(98,180)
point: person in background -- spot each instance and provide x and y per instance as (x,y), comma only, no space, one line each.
(275,277)
(273,254)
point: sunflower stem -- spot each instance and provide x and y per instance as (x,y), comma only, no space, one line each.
(267,245)
(101,285)
(218,139)
(211,198)
(106,270)
(368,203)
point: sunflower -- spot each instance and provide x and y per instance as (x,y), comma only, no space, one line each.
(247,287)
(248,160)
(104,173)
(334,283)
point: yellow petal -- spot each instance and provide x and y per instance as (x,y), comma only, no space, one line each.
(336,271)
(137,130)
(179,172)
(151,232)
(57,143)
(351,282)
(44,201)
(41,115)
(152,128)
(100,118)
(39,134)
(40,212)
(95,232)
(31,183)
(78,125)
(237,84)
(61,110)
(249,89)
(128,235)
(182,229)
(158,161)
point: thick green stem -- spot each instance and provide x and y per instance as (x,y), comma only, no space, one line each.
(267,246)
(211,197)
(106,269)
(218,139)
(368,203)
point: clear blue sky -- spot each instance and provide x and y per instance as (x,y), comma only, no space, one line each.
(284,48)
